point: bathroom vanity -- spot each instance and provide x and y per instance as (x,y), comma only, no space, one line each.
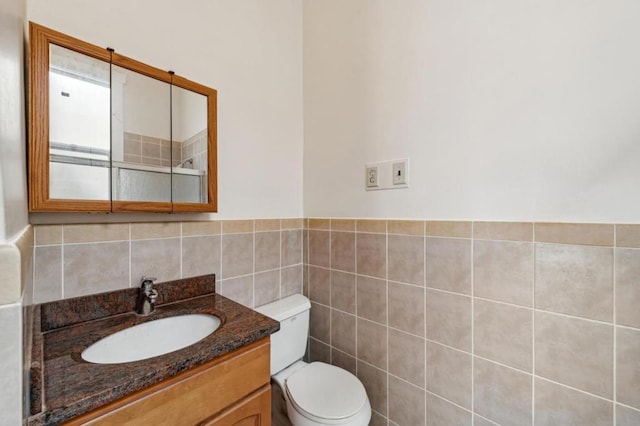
(222,379)
(232,389)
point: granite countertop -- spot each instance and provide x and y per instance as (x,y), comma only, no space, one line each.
(63,385)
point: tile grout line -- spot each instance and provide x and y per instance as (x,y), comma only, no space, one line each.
(305,246)
(221,277)
(637,409)
(444,345)
(503,365)
(33,268)
(533,329)
(424,324)
(462,351)
(626,327)
(560,314)
(386,349)
(449,401)
(330,302)
(584,392)
(473,360)
(484,299)
(380,369)
(355,281)
(401,379)
(84,243)
(253,275)
(181,248)
(473,415)
(129,260)
(265,271)
(280,263)
(62,263)
(615,328)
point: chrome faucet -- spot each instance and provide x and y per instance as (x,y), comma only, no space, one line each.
(147,296)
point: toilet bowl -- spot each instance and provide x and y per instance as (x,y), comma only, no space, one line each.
(323,394)
(315,393)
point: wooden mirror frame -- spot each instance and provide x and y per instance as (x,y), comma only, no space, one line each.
(212,147)
(39,147)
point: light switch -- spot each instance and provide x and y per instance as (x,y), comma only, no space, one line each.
(400,172)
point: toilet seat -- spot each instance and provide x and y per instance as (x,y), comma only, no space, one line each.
(326,394)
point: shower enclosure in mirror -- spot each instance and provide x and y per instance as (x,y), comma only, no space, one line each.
(190,144)
(140,136)
(111,134)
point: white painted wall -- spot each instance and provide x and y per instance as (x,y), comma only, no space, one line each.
(146,105)
(13,186)
(249,50)
(13,206)
(189,113)
(83,117)
(507,109)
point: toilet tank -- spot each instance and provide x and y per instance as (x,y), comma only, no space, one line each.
(289,344)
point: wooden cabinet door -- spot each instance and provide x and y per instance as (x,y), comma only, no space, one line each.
(191,397)
(254,410)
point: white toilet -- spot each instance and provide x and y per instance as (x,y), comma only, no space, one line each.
(315,393)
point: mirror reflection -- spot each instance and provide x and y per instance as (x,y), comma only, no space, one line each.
(141,137)
(79,121)
(190,142)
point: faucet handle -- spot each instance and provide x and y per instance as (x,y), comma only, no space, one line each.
(152,295)
(147,282)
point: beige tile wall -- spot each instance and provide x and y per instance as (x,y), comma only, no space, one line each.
(145,150)
(195,149)
(255,261)
(449,323)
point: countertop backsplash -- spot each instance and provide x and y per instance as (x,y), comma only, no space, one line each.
(255,261)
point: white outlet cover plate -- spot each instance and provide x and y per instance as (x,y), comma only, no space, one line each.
(385,174)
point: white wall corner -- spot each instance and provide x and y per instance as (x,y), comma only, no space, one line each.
(10,274)
(25,245)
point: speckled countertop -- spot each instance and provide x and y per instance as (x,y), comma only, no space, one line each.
(64,386)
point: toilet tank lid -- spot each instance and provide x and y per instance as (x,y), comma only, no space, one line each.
(285,307)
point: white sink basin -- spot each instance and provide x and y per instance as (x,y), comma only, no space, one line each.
(151,339)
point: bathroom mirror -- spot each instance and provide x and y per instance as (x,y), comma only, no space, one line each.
(110,134)
(79,135)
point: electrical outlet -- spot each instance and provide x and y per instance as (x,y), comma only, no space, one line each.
(372,176)
(400,172)
(390,174)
